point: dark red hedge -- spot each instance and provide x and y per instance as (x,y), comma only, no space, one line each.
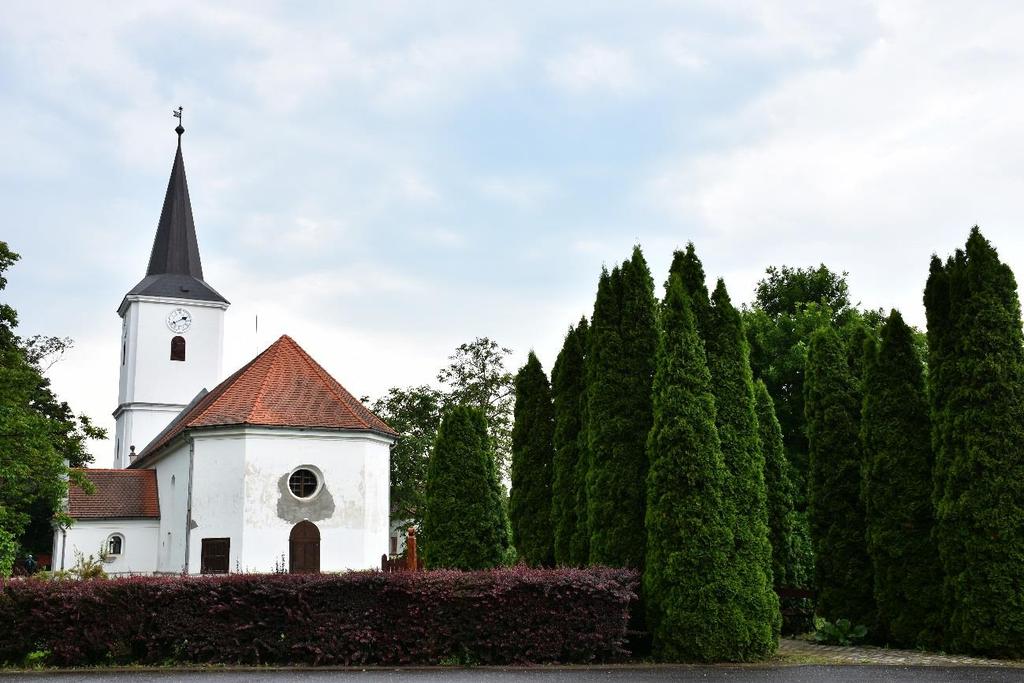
(485,617)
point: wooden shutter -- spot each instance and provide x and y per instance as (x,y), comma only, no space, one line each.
(215,553)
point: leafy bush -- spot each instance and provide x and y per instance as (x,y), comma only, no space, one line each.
(89,566)
(491,617)
(842,632)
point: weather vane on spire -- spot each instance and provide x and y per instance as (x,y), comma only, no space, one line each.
(177,114)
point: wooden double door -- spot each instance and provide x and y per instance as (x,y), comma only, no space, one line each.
(304,549)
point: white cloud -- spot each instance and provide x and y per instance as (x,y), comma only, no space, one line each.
(591,67)
(872,165)
(523,193)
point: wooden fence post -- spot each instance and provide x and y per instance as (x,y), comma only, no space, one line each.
(410,550)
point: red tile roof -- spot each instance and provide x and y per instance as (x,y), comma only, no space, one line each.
(119,493)
(281,387)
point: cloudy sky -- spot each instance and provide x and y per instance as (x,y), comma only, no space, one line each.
(384,181)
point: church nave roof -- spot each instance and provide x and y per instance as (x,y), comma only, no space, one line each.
(281,387)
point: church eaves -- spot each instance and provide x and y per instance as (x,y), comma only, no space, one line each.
(175,269)
(281,387)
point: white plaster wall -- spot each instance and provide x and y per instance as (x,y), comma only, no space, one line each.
(150,380)
(137,425)
(218,493)
(172,485)
(152,376)
(139,550)
(355,470)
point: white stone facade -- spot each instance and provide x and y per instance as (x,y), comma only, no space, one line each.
(91,537)
(153,388)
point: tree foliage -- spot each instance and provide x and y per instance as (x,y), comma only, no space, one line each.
(533,454)
(568,388)
(38,432)
(415,413)
(620,367)
(842,568)
(690,270)
(464,524)
(791,561)
(897,489)
(745,498)
(688,583)
(786,290)
(791,304)
(978,381)
(476,375)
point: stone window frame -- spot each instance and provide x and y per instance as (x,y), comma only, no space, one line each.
(108,551)
(317,474)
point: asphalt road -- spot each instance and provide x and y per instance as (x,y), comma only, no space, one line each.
(796,674)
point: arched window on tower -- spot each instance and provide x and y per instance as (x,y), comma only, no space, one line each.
(178,348)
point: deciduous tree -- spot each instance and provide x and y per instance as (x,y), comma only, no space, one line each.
(476,375)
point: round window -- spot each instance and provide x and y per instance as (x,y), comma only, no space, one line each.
(303,483)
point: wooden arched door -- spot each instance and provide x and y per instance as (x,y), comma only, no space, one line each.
(304,549)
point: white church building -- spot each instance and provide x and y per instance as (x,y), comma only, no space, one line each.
(275,468)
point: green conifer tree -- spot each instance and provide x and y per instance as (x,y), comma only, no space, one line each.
(688,583)
(530,500)
(842,568)
(897,489)
(745,498)
(778,486)
(464,526)
(687,265)
(620,368)
(568,388)
(979,474)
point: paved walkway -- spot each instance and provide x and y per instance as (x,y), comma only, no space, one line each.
(794,650)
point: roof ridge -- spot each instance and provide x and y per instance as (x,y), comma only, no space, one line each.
(223,387)
(103,469)
(258,399)
(328,380)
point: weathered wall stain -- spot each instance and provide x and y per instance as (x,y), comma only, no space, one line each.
(294,510)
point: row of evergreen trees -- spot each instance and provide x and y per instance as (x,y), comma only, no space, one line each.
(648,450)
(653,448)
(916,491)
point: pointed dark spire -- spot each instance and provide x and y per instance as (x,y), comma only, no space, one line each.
(175,269)
(176,249)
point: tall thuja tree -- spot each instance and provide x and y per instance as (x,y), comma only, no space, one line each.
(464,524)
(530,500)
(897,489)
(745,499)
(842,568)
(687,265)
(620,369)
(979,479)
(778,487)
(688,582)
(568,388)
(580,543)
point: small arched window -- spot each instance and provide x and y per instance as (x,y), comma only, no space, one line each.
(115,544)
(178,348)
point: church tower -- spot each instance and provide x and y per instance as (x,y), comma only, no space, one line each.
(172,331)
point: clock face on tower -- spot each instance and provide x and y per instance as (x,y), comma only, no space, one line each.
(179,320)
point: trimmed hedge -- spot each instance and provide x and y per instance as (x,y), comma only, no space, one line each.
(360,618)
